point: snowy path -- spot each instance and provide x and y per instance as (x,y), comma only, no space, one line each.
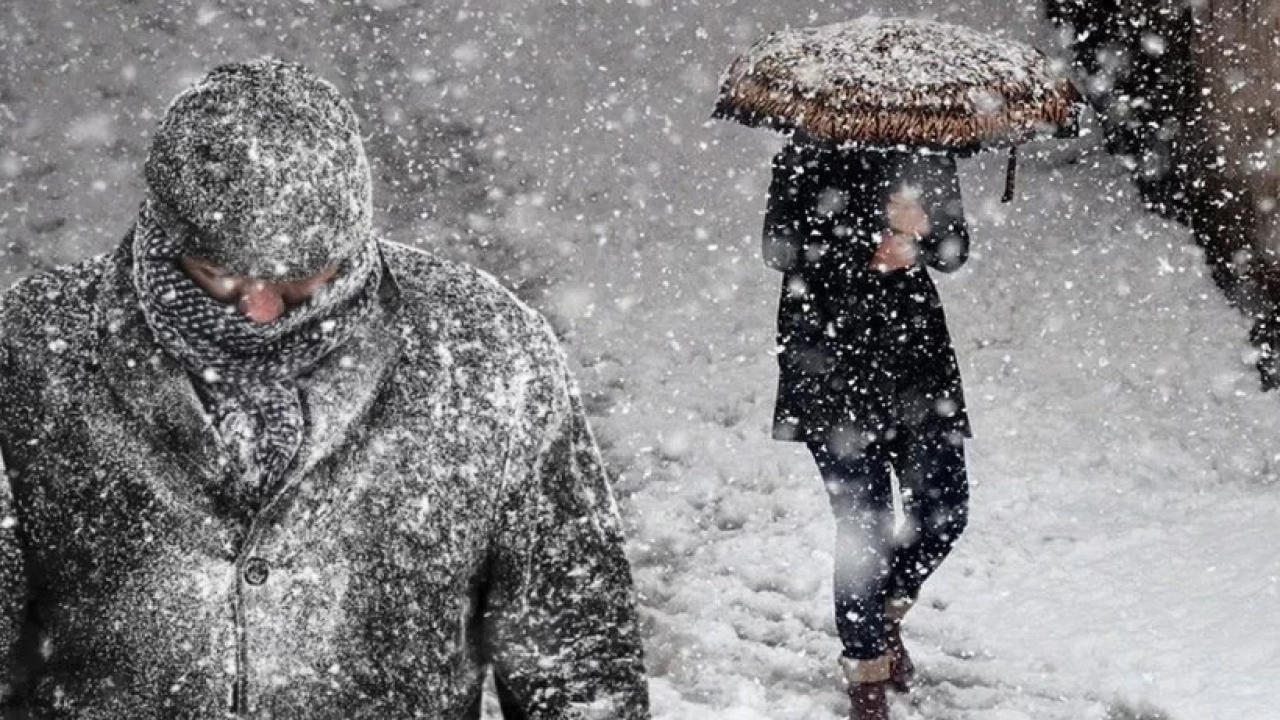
(1120,559)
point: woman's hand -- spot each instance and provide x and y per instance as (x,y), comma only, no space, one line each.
(896,252)
(905,214)
(907,222)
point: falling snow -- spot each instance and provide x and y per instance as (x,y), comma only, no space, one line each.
(1119,562)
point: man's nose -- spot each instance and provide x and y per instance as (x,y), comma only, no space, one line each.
(261,303)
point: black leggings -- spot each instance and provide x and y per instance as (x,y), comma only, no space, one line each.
(873,563)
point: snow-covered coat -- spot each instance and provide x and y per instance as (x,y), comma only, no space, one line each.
(861,351)
(447,512)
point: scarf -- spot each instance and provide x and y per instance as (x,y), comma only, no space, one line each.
(247,372)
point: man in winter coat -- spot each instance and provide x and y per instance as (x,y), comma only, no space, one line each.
(261,465)
(869,381)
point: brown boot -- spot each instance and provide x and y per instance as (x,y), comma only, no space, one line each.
(866,681)
(901,670)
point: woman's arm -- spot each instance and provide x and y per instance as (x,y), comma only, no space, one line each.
(945,246)
(786,221)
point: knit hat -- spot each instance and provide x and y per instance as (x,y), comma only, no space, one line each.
(258,168)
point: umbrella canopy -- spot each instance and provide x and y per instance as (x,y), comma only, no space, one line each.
(895,81)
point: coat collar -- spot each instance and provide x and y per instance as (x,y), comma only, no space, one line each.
(158,392)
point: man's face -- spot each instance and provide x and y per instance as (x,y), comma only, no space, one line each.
(262,301)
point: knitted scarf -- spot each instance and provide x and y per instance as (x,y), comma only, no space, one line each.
(249,372)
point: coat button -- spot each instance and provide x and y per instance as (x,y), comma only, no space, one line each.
(256,571)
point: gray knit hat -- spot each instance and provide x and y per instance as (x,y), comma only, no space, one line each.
(259,169)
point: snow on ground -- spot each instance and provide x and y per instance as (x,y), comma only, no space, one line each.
(1120,558)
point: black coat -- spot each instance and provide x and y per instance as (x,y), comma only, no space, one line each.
(861,352)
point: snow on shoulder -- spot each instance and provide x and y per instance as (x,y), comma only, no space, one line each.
(461,300)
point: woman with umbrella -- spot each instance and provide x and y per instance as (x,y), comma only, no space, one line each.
(863,199)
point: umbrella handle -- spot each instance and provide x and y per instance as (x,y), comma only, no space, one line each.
(1010,174)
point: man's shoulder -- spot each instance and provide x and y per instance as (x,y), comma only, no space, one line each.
(51,302)
(456,300)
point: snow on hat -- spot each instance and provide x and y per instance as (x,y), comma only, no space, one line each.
(259,169)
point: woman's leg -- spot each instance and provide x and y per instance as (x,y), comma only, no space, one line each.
(935,485)
(860,491)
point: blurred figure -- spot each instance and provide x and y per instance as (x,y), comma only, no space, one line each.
(261,464)
(869,381)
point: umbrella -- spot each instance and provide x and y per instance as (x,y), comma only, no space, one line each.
(887,82)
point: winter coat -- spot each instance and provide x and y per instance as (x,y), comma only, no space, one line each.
(448,512)
(861,352)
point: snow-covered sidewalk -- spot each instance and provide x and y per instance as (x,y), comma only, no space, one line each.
(1120,561)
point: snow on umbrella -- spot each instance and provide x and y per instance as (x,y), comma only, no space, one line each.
(885,82)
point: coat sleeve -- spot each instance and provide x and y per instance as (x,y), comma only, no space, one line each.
(787,223)
(13,577)
(561,624)
(946,247)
